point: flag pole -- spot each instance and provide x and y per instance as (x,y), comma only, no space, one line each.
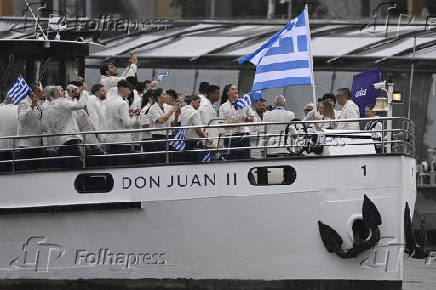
(306,11)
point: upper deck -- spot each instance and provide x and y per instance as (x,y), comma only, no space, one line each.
(297,139)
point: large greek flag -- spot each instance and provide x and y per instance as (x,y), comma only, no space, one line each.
(285,60)
(19,90)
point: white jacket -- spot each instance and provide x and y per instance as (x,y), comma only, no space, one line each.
(117,118)
(282,116)
(8,125)
(110,83)
(29,123)
(349,111)
(61,119)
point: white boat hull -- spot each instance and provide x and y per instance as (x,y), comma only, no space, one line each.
(223,230)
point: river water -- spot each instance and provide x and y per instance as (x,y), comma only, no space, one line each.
(418,275)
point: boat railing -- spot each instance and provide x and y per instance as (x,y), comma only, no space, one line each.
(426,171)
(266,140)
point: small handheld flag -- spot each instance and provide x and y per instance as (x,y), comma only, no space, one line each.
(161,76)
(179,144)
(244,101)
(19,90)
(206,157)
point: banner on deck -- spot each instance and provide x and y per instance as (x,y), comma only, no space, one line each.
(363,91)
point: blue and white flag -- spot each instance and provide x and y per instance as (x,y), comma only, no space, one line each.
(206,157)
(245,101)
(285,60)
(179,144)
(19,90)
(256,95)
(161,76)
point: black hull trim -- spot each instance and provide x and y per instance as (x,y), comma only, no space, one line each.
(158,284)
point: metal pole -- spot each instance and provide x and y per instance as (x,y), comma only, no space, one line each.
(390,91)
(412,71)
(306,12)
(36,20)
(212,9)
(289,9)
(167,154)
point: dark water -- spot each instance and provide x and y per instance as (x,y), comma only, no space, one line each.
(418,275)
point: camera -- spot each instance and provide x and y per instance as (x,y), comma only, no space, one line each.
(380,85)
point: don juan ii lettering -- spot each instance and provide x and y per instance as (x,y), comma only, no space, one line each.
(179,180)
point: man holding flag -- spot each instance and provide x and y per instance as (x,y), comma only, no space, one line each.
(236,111)
(29,123)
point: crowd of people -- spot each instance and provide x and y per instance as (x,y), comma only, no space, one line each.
(122,103)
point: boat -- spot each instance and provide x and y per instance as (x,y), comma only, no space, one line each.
(333,213)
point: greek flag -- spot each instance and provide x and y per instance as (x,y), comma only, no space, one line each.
(180,144)
(285,60)
(244,101)
(19,90)
(206,157)
(161,76)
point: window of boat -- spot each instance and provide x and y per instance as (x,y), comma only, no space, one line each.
(94,183)
(272,175)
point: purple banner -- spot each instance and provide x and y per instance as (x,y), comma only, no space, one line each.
(363,91)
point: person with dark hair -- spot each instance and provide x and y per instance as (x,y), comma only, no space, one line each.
(140,88)
(97,108)
(134,98)
(203,88)
(162,115)
(208,113)
(191,117)
(372,125)
(237,136)
(29,123)
(135,101)
(173,96)
(349,110)
(120,118)
(149,85)
(110,78)
(147,146)
(331,98)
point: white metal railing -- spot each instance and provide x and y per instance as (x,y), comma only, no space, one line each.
(426,172)
(298,139)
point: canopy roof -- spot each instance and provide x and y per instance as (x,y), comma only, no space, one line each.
(334,43)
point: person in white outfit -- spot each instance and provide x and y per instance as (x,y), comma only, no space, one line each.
(162,115)
(147,146)
(276,133)
(203,89)
(208,114)
(238,135)
(62,120)
(191,117)
(8,127)
(110,78)
(119,117)
(349,110)
(29,123)
(257,132)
